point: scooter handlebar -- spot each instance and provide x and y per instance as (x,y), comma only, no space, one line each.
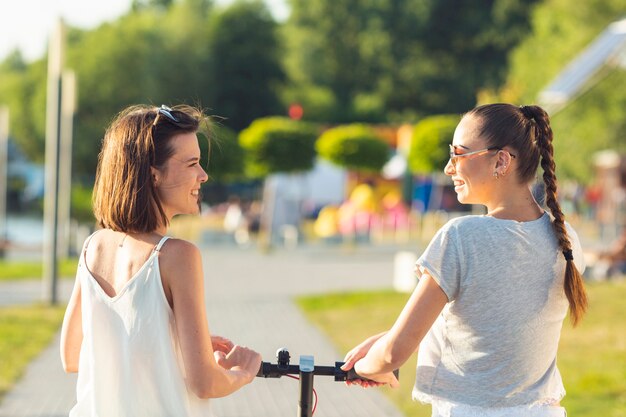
(270,370)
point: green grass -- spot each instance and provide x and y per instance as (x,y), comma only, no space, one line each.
(592,357)
(21,270)
(24,332)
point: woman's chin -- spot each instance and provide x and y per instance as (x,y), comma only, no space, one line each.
(461,198)
(464,199)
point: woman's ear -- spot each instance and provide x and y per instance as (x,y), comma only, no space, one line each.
(503,163)
(154,173)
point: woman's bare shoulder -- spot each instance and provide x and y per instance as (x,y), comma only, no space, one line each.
(178,255)
(179,246)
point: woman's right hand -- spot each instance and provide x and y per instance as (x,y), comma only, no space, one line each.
(240,358)
(359,351)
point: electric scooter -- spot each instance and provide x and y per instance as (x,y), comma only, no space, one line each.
(305,370)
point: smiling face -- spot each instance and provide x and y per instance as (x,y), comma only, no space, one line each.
(472,175)
(178,181)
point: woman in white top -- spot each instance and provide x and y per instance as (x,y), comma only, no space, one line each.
(493,290)
(135,328)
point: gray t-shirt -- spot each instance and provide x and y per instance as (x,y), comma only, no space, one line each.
(496,340)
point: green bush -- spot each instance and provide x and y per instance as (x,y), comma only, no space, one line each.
(278,144)
(356,147)
(80,200)
(429,150)
(225,155)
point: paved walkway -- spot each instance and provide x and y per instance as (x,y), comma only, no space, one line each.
(25,292)
(249,300)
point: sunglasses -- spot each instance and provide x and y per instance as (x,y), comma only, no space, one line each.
(164,111)
(454,156)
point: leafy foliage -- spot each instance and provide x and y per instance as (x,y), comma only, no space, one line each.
(374,61)
(246,66)
(161,52)
(429,145)
(466,49)
(23,90)
(593,121)
(278,144)
(539,58)
(81,208)
(346,61)
(355,147)
(225,154)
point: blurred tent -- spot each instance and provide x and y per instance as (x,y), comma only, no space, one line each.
(604,54)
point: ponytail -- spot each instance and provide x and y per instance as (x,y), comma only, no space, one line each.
(573,285)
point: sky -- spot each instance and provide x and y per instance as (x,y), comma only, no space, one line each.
(26,24)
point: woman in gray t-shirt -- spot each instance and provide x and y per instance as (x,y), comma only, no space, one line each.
(493,290)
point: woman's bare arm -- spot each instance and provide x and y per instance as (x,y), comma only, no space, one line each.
(181,266)
(394,348)
(72,331)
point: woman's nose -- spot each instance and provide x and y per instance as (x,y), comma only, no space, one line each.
(204,177)
(449,169)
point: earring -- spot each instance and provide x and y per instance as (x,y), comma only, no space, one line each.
(495,174)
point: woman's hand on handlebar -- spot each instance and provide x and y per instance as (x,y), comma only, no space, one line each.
(364,383)
(387,378)
(359,351)
(240,358)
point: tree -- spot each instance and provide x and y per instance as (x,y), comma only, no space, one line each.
(553,42)
(140,5)
(246,72)
(225,155)
(597,119)
(161,52)
(23,90)
(392,59)
(163,60)
(336,49)
(465,49)
(278,144)
(355,147)
(429,145)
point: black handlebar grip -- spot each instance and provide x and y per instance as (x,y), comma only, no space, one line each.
(263,369)
(351,374)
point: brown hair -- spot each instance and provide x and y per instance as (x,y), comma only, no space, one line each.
(124,197)
(526,130)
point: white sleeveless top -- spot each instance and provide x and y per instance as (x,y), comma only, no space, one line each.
(130,363)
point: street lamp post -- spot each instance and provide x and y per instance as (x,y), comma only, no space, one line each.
(51,196)
(4,167)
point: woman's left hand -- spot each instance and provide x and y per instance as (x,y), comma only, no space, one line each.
(221,344)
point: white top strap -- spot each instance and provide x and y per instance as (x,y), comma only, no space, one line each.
(160,244)
(88,240)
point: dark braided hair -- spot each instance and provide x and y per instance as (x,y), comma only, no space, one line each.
(527,131)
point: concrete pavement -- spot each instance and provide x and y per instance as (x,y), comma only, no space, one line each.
(249,299)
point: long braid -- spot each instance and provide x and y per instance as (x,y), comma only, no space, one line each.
(573,284)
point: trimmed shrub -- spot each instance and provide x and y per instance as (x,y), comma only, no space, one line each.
(355,147)
(278,144)
(429,150)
